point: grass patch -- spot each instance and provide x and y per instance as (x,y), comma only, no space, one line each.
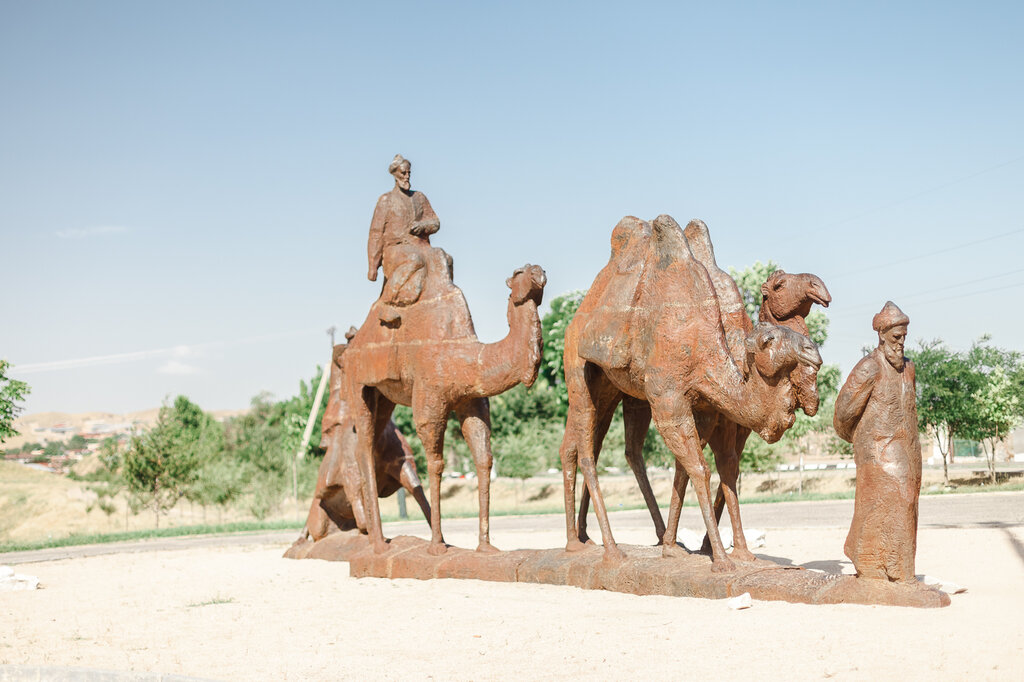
(209,602)
(179,531)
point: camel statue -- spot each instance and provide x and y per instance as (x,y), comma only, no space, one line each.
(787,300)
(432,361)
(337,499)
(650,331)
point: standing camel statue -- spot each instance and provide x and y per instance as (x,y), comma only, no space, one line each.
(337,499)
(432,361)
(650,331)
(786,301)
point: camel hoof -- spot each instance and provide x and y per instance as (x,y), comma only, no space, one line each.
(673,551)
(575,546)
(742,555)
(613,556)
(437,549)
(487,548)
(722,566)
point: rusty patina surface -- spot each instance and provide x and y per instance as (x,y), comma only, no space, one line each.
(877,411)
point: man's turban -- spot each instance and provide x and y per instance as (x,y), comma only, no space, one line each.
(396,162)
(889,317)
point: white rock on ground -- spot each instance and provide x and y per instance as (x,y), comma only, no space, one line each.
(944,585)
(741,602)
(11,581)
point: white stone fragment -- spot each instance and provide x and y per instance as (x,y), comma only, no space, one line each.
(691,540)
(11,581)
(755,537)
(741,602)
(946,586)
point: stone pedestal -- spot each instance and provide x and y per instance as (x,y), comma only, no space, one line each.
(643,572)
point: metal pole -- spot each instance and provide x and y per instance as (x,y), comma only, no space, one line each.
(301,452)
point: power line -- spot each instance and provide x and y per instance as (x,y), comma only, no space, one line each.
(925,192)
(903,297)
(929,254)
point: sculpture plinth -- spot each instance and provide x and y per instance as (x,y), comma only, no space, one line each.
(643,572)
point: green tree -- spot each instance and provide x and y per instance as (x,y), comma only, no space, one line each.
(11,393)
(946,385)
(161,466)
(520,456)
(53,449)
(997,399)
(77,442)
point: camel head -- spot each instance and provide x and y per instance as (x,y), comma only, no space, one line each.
(527,284)
(785,296)
(773,354)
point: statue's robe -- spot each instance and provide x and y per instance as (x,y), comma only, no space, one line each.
(392,244)
(876,410)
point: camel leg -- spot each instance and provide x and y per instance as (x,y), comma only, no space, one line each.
(569,455)
(602,430)
(637,417)
(317,520)
(727,444)
(680,433)
(410,480)
(475,419)
(431,420)
(669,546)
(364,409)
(599,391)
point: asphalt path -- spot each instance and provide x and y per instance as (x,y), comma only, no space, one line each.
(963,511)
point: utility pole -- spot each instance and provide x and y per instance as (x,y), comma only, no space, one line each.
(301,452)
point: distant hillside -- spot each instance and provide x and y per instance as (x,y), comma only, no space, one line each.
(43,427)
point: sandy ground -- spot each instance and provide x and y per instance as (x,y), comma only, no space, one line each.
(246,613)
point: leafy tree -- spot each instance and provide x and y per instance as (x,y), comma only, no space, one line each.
(946,385)
(749,281)
(11,393)
(162,465)
(520,456)
(997,400)
(53,449)
(77,442)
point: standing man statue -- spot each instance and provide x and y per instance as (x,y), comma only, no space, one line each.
(399,238)
(877,411)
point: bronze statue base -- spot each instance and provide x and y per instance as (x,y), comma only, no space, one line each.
(643,572)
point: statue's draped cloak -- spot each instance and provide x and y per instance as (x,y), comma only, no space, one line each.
(876,411)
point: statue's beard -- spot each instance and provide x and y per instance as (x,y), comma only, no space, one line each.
(404,184)
(894,355)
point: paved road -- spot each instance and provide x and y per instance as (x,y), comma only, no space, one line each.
(974,510)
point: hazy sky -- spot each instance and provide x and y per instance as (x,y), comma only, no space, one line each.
(186,187)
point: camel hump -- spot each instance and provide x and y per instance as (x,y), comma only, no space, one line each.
(734,314)
(668,244)
(699,238)
(630,240)
(608,310)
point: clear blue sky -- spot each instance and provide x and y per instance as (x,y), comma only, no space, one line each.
(186,187)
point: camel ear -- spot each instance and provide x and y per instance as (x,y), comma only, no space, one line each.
(765,340)
(508,282)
